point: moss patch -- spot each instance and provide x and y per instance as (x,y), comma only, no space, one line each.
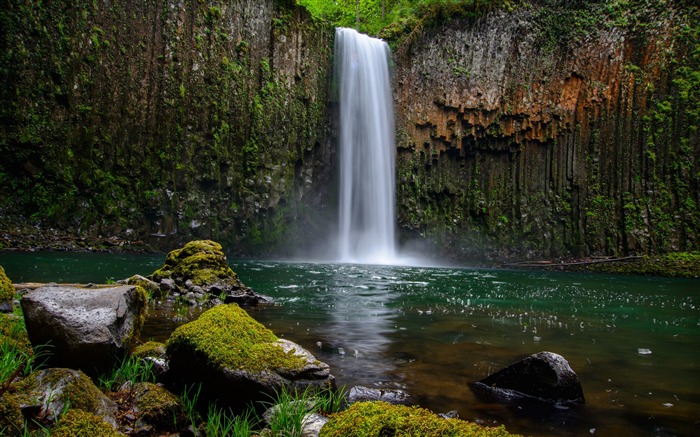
(77,423)
(7,291)
(11,419)
(13,331)
(367,419)
(202,261)
(230,338)
(149,349)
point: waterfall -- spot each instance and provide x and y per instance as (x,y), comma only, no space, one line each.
(366,198)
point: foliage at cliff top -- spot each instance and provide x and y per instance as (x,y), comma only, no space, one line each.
(229,338)
(365,419)
(7,291)
(395,20)
(201,261)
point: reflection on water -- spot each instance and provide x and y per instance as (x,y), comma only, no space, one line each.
(633,341)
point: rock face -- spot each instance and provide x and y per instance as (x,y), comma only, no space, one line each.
(47,393)
(167,122)
(555,129)
(200,267)
(86,328)
(544,376)
(238,360)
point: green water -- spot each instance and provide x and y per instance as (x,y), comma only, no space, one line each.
(432,331)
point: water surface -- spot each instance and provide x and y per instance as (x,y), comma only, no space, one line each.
(633,341)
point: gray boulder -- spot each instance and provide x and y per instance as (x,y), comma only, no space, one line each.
(85,328)
(543,377)
(367,394)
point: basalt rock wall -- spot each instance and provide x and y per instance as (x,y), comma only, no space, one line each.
(551,131)
(165,120)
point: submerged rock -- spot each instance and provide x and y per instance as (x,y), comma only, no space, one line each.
(236,359)
(85,328)
(544,376)
(201,267)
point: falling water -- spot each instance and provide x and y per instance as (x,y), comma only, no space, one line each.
(366,211)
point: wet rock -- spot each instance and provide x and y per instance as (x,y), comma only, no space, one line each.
(311,425)
(363,394)
(87,329)
(47,393)
(202,265)
(238,360)
(544,376)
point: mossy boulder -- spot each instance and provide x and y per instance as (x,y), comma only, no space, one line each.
(238,359)
(371,419)
(88,328)
(79,423)
(7,292)
(200,267)
(155,407)
(150,349)
(14,334)
(50,392)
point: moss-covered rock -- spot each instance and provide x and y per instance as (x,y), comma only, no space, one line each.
(155,407)
(13,332)
(51,391)
(7,292)
(233,355)
(201,267)
(370,419)
(79,423)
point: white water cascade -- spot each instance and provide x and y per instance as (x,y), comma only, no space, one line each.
(366,203)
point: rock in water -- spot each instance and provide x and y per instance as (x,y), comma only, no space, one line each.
(544,376)
(365,394)
(238,360)
(85,328)
(202,266)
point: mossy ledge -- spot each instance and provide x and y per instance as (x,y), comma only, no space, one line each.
(368,419)
(229,338)
(77,422)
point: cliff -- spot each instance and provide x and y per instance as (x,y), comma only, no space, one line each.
(553,129)
(165,121)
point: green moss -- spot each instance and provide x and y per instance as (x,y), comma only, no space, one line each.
(77,423)
(13,331)
(230,338)
(155,405)
(7,291)
(11,419)
(202,261)
(150,349)
(380,418)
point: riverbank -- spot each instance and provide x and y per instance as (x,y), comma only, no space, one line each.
(674,265)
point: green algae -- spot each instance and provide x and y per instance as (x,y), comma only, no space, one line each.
(229,338)
(369,419)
